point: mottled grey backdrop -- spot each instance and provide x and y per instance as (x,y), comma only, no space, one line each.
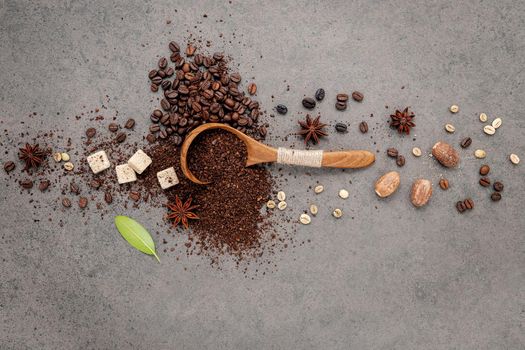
(385,276)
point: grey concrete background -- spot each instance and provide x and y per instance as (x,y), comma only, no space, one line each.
(385,276)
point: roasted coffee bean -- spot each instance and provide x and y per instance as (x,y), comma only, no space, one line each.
(169,72)
(392,152)
(121,137)
(484,170)
(161,73)
(319,94)
(73,188)
(154,128)
(467,141)
(469,203)
(27,184)
(460,206)
(154,88)
(44,184)
(341,127)
(281,109)
(174,47)
(166,85)
(342,97)
(82,202)
(66,202)
(9,166)
(154,118)
(130,123)
(252,89)
(341,106)
(157,80)
(190,50)
(163,62)
(363,127)
(151,138)
(443,183)
(91,132)
(152,73)
(163,134)
(95,184)
(498,186)
(309,103)
(177,139)
(165,120)
(134,196)
(496,196)
(400,160)
(113,127)
(484,181)
(235,77)
(165,104)
(357,96)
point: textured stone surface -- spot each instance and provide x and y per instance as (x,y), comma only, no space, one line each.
(385,276)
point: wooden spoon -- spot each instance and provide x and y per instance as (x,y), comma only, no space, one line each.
(260,153)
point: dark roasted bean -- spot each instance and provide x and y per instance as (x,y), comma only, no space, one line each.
(95,184)
(467,141)
(163,134)
(44,184)
(392,152)
(484,181)
(469,203)
(91,132)
(113,127)
(363,127)
(496,196)
(342,97)
(154,88)
(341,127)
(73,188)
(400,160)
(341,106)
(460,206)
(134,196)
(309,103)
(319,94)
(281,109)
(108,198)
(174,47)
(484,169)
(66,202)
(9,166)
(151,138)
(130,123)
(121,137)
(498,186)
(27,184)
(152,73)
(357,96)
(163,62)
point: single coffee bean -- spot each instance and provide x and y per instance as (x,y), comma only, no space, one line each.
(154,88)
(460,206)
(169,72)
(82,202)
(157,80)
(484,170)
(91,132)
(252,89)
(309,103)
(44,184)
(498,186)
(165,104)
(319,94)
(151,138)
(496,196)
(467,141)
(177,140)
(281,109)
(341,106)
(9,166)
(190,50)
(163,62)
(130,123)
(484,181)
(342,97)
(95,184)
(392,152)
(73,188)
(443,183)
(154,128)
(152,73)
(165,120)
(357,96)
(27,184)
(66,202)
(113,127)
(341,127)
(363,127)
(174,47)
(400,160)
(163,134)
(469,203)
(166,85)
(121,137)
(134,196)
(108,198)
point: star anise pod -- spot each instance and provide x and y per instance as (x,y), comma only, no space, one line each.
(181,212)
(32,155)
(402,121)
(312,129)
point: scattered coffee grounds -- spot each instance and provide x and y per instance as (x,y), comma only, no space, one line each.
(229,208)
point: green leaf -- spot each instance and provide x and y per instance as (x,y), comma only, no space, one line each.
(136,235)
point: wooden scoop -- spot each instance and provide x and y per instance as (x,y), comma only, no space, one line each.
(260,153)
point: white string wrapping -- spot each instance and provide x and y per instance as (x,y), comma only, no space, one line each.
(300,157)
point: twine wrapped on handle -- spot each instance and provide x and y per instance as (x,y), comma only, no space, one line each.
(300,157)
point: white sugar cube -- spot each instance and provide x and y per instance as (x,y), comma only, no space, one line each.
(125,174)
(139,161)
(167,178)
(98,162)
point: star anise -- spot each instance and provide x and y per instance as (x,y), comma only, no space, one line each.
(312,129)
(32,155)
(181,212)
(402,121)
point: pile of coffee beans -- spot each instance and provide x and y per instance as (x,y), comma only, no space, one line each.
(199,89)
